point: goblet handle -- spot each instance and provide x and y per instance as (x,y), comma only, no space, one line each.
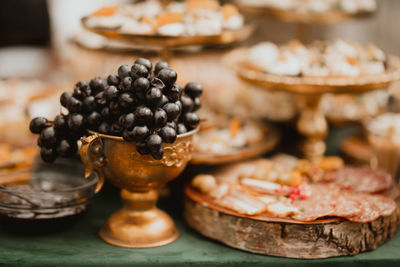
(93,159)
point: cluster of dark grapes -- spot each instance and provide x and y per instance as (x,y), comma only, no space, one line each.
(141,104)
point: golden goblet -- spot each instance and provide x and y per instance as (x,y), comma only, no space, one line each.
(139,223)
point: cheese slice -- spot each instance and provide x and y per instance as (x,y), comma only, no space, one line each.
(280,209)
(262,186)
(242,203)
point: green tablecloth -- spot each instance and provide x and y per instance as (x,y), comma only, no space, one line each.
(80,245)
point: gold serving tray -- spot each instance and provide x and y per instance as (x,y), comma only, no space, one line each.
(292,16)
(268,143)
(312,85)
(225,38)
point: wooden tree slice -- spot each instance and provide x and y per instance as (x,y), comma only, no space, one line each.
(286,238)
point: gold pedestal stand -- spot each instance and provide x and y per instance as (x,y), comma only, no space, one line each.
(139,223)
(147,225)
(168,44)
(312,122)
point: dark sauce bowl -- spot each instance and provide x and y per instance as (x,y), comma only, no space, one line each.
(45,200)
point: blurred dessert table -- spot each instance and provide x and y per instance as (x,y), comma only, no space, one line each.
(80,244)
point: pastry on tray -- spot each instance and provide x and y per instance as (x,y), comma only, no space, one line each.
(319,59)
(224,139)
(189,18)
(315,6)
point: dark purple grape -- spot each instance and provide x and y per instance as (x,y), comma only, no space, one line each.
(114,108)
(116,129)
(171,124)
(104,128)
(74,105)
(60,123)
(187,103)
(191,119)
(164,100)
(89,104)
(105,113)
(113,79)
(141,85)
(129,121)
(155,82)
(124,71)
(153,96)
(197,103)
(140,133)
(168,134)
(37,125)
(64,99)
(66,148)
(154,142)
(179,103)
(128,135)
(138,71)
(168,76)
(143,115)
(160,118)
(85,88)
(48,137)
(172,110)
(145,62)
(101,99)
(94,119)
(127,84)
(127,101)
(48,155)
(193,89)
(98,84)
(157,155)
(160,65)
(142,149)
(181,128)
(111,92)
(78,94)
(174,93)
(76,122)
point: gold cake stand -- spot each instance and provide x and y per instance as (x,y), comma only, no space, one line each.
(303,19)
(312,122)
(169,43)
(269,142)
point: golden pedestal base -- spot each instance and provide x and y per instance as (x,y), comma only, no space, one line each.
(139,224)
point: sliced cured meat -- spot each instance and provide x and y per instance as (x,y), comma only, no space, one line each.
(364,179)
(319,204)
(373,206)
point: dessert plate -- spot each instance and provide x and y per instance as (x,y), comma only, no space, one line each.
(310,85)
(266,144)
(225,38)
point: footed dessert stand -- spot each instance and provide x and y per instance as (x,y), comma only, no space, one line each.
(312,122)
(139,224)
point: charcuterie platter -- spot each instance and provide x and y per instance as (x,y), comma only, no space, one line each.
(293,208)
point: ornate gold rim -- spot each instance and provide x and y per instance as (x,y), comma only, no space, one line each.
(292,16)
(312,85)
(119,138)
(225,38)
(269,142)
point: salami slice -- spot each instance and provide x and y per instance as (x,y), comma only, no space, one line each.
(373,206)
(364,179)
(319,204)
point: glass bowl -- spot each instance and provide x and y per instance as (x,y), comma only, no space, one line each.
(51,197)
